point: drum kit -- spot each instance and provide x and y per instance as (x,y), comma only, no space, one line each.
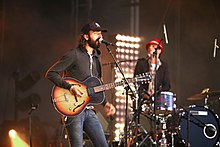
(169,125)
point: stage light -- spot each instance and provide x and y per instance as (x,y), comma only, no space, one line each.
(16,141)
(12,133)
(127,51)
(131,51)
(127,38)
(121,106)
(122,119)
(122,101)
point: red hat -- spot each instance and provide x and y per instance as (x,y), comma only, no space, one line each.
(156,41)
(94,26)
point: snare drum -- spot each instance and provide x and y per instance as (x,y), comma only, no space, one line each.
(165,102)
(199,126)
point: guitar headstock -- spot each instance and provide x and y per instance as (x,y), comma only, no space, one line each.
(143,78)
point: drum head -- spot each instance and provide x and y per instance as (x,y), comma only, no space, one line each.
(165,102)
(201,128)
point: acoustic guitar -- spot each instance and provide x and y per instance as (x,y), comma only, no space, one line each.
(69,105)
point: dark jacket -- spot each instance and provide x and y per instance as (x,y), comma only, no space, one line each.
(76,64)
(162,75)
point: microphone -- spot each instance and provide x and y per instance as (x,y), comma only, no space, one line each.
(111,117)
(34,106)
(101,40)
(215,47)
(165,33)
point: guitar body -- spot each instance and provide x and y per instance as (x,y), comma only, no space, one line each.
(69,105)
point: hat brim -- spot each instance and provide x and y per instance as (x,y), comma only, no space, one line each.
(99,29)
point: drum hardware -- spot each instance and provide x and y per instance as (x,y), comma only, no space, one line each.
(165,107)
(188,130)
(138,135)
(147,136)
(163,140)
(209,131)
(167,132)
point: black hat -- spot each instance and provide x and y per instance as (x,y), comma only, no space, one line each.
(94,26)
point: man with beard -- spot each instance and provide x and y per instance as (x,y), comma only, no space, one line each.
(82,63)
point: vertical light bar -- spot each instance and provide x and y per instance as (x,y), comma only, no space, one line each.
(127,53)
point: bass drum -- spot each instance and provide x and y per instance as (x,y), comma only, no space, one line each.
(199,126)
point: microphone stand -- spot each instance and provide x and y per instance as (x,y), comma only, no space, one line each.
(33,107)
(127,88)
(155,89)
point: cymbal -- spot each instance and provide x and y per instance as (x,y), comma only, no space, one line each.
(204,95)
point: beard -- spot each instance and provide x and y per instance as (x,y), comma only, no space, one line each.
(94,43)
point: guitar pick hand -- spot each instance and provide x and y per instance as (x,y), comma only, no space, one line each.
(76,91)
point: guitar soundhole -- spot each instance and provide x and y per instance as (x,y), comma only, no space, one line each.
(78,106)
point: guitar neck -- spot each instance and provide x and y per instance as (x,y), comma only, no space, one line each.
(112,85)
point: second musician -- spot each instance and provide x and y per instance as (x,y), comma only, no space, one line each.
(153,64)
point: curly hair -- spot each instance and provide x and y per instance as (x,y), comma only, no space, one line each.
(82,41)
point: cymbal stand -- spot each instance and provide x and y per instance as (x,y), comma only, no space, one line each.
(206,101)
(136,120)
